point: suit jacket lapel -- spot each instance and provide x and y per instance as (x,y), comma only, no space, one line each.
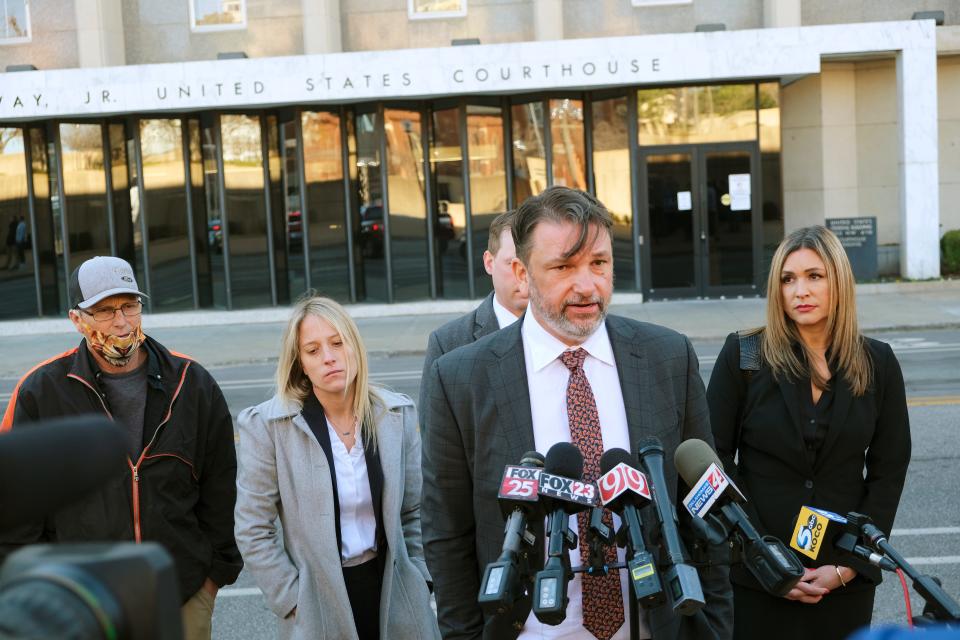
(507,375)
(485,318)
(389,464)
(316,419)
(634,374)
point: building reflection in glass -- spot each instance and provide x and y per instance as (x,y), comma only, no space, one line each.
(768,110)
(566,131)
(370,232)
(84,189)
(120,185)
(16,269)
(450,228)
(164,208)
(326,204)
(408,209)
(201,242)
(612,182)
(529,155)
(245,209)
(43,226)
(688,115)
(488,182)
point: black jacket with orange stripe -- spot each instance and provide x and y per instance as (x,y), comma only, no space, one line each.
(180,492)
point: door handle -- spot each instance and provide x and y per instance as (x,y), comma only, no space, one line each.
(703,236)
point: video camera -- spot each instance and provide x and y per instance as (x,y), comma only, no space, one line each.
(121,591)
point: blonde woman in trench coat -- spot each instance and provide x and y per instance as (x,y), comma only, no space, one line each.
(316,550)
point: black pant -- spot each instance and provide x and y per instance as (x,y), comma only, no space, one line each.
(364,582)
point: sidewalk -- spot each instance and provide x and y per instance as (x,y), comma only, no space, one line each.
(217,338)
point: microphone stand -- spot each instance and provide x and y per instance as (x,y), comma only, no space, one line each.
(602,535)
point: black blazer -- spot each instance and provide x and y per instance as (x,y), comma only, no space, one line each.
(478,420)
(773,469)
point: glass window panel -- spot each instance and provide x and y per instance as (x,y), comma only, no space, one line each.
(84,187)
(408,210)
(772,207)
(122,221)
(529,157)
(488,182)
(50,268)
(210,15)
(326,203)
(164,206)
(370,234)
(566,131)
(611,176)
(202,249)
(56,212)
(286,225)
(687,115)
(671,227)
(17,286)
(449,233)
(16,21)
(728,224)
(245,209)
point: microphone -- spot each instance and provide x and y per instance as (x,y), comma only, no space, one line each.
(41,471)
(767,558)
(681,578)
(814,526)
(624,489)
(502,583)
(562,493)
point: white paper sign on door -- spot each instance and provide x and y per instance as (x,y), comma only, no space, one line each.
(739,184)
(740,203)
(684,202)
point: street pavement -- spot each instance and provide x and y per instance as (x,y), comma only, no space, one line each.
(921,321)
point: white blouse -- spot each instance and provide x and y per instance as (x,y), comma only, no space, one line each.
(358,523)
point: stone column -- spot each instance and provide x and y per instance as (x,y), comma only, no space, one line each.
(918,162)
(321,26)
(100,33)
(781,13)
(548,19)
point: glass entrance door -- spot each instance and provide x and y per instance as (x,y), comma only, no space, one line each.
(698,224)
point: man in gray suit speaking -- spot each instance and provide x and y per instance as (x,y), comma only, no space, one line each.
(499,309)
(568,372)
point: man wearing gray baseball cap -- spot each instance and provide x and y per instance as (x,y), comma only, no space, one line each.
(179,484)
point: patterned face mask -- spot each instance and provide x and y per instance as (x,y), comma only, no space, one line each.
(117,351)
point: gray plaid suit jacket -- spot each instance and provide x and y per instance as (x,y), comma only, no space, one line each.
(468,328)
(478,420)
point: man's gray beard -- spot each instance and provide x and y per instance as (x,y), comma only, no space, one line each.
(559,322)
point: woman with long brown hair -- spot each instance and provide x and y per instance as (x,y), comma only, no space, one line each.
(814,415)
(337,461)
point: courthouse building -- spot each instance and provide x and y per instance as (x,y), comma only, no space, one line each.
(241,152)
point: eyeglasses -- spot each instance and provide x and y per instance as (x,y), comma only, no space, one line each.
(129,309)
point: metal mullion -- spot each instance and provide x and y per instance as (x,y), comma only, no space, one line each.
(428,200)
(381,130)
(188,192)
(31,210)
(64,227)
(108,184)
(640,226)
(588,142)
(304,205)
(268,209)
(547,140)
(144,228)
(224,216)
(468,205)
(506,114)
(347,196)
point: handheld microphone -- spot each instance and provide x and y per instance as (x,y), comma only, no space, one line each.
(562,493)
(624,489)
(502,583)
(40,471)
(814,527)
(767,558)
(681,578)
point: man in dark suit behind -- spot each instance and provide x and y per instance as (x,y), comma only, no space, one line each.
(598,381)
(499,309)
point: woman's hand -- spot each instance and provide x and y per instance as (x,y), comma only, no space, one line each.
(808,590)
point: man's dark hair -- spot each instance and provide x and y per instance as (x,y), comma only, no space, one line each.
(558,204)
(501,223)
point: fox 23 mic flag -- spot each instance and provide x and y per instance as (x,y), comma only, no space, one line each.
(811,528)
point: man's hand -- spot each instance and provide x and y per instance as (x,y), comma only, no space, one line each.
(210,587)
(810,589)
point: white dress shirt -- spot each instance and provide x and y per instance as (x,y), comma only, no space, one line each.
(358,523)
(547,379)
(504,317)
